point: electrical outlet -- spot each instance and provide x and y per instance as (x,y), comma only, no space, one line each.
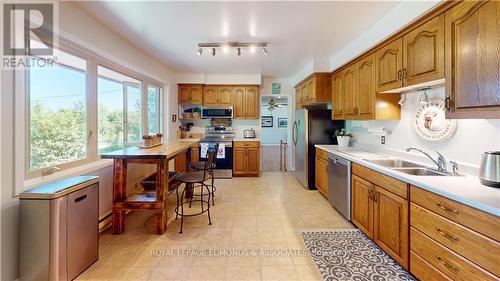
(382,139)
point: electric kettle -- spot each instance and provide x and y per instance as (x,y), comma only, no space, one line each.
(489,172)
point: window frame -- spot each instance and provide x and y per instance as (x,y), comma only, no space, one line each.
(22,110)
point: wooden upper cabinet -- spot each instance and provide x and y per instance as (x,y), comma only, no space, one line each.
(239,102)
(472,40)
(366,88)
(225,95)
(316,88)
(210,95)
(423,54)
(389,66)
(190,94)
(196,94)
(349,92)
(252,102)
(298,97)
(390,224)
(337,113)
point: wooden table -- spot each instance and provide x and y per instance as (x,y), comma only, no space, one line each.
(159,155)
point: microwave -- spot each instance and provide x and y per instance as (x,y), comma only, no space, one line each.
(217,112)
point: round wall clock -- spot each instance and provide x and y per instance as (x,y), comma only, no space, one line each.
(431,123)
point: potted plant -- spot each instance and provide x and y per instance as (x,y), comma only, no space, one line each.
(196,113)
(343,137)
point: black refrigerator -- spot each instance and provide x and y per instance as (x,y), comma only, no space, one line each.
(311,126)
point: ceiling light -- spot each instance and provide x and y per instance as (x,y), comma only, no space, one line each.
(253,49)
(213,51)
(264,51)
(402,100)
(239,51)
(199,52)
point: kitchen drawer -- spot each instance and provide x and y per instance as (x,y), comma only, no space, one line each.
(391,184)
(457,238)
(476,220)
(423,270)
(246,144)
(445,260)
(321,154)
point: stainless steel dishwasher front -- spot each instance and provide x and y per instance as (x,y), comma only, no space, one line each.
(59,229)
(339,184)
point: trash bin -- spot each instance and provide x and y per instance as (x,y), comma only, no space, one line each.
(59,229)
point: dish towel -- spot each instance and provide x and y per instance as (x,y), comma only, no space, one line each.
(203,150)
(221,154)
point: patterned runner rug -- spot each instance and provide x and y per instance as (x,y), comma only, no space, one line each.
(350,255)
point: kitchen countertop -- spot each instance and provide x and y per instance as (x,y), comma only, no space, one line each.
(193,139)
(464,189)
(164,151)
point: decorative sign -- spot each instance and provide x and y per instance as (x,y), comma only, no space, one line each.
(276,89)
(266,121)
(431,123)
(282,122)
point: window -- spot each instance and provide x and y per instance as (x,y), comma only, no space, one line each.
(57,115)
(154,113)
(119,110)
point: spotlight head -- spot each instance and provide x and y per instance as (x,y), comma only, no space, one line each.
(239,51)
(252,49)
(213,51)
(264,51)
(200,51)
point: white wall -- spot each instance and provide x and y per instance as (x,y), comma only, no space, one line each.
(472,137)
(84,30)
(228,79)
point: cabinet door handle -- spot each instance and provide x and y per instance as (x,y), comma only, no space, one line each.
(449,236)
(375,195)
(447,265)
(447,102)
(446,209)
(399,74)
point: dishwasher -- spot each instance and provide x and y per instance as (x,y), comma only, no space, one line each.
(59,231)
(339,184)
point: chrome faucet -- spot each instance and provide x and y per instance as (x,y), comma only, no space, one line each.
(440,162)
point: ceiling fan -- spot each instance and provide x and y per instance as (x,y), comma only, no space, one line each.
(273,104)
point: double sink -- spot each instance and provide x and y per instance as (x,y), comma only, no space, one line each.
(410,168)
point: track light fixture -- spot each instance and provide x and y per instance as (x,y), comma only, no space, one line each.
(236,45)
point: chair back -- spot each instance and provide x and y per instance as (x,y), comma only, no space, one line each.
(211,156)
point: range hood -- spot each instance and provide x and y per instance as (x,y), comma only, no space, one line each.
(413,88)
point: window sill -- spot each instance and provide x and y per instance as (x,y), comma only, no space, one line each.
(76,171)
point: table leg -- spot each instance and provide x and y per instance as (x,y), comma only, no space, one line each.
(161,189)
(119,193)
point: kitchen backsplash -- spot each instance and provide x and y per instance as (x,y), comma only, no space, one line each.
(238,126)
(471,139)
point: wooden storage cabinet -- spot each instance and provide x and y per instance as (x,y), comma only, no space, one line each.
(246,102)
(210,95)
(180,161)
(472,54)
(321,172)
(246,158)
(389,59)
(314,89)
(382,215)
(190,94)
(337,99)
(465,239)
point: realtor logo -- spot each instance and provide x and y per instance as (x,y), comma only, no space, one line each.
(22,22)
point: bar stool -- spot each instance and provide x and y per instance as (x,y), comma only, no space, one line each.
(192,180)
(201,165)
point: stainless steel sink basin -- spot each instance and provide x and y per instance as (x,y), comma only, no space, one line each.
(395,163)
(422,172)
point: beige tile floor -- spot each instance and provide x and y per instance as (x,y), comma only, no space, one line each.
(250,214)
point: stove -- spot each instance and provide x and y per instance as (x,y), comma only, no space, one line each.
(219,132)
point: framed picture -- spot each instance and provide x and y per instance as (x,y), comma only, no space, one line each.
(276,89)
(282,122)
(266,121)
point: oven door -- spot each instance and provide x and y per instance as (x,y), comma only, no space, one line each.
(223,163)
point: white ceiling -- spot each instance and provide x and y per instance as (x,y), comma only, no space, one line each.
(297,32)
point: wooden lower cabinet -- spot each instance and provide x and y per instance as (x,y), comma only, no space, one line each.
(362,205)
(246,158)
(382,216)
(180,161)
(390,224)
(321,174)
